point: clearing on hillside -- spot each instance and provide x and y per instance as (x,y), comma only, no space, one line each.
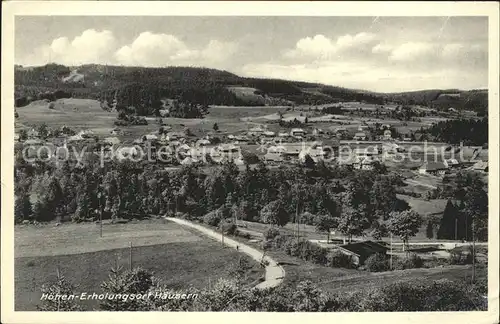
(179,257)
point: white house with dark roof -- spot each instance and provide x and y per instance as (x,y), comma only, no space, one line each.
(360,136)
(297,132)
(480,166)
(434,168)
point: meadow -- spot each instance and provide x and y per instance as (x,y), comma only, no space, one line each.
(179,257)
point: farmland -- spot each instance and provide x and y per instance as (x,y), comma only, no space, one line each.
(179,257)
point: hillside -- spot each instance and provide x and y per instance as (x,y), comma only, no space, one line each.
(474,100)
(138,86)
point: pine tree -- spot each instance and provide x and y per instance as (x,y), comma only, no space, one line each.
(429,231)
(59,288)
(448,222)
(22,208)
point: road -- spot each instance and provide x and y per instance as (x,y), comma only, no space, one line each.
(274,273)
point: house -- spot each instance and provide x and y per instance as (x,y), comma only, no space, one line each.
(297,132)
(241,139)
(451,163)
(174,136)
(274,156)
(188,161)
(360,251)
(150,137)
(203,142)
(363,163)
(226,152)
(362,128)
(283,135)
(434,168)
(255,131)
(111,141)
(33,133)
(317,132)
(360,136)
(315,151)
(86,133)
(451,109)
(480,166)
(33,142)
(126,152)
(164,112)
(268,134)
(365,152)
(387,134)
(76,138)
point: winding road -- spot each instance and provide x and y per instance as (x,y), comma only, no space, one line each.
(274,274)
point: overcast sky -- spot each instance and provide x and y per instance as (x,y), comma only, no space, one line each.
(373,53)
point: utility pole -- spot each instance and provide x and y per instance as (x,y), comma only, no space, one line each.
(130,255)
(473,254)
(456,228)
(391,253)
(99,196)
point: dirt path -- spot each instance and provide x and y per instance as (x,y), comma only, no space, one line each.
(274,273)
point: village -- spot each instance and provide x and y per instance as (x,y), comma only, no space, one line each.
(354,146)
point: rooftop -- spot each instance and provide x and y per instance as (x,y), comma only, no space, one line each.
(364,248)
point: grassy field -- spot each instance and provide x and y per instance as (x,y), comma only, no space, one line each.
(180,257)
(425,207)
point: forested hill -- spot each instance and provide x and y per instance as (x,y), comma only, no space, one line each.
(142,86)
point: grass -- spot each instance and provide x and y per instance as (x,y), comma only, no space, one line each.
(82,238)
(425,207)
(184,259)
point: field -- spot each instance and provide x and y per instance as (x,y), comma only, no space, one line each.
(180,257)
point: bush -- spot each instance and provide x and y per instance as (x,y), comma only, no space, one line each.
(266,245)
(250,158)
(440,295)
(244,235)
(337,259)
(413,262)
(377,263)
(212,219)
(271,233)
(121,123)
(460,257)
(228,227)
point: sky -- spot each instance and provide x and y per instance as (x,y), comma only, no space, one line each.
(384,54)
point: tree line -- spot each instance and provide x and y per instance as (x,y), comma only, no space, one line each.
(230,294)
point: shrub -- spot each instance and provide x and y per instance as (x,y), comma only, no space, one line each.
(266,245)
(250,158)
(121,123)
(271,233)
(244,235)
(337,259)
(316,253)
(413,262)
(440,295)
(377,263)
(212,219)
(460,257)
(135,281)
(227,226)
